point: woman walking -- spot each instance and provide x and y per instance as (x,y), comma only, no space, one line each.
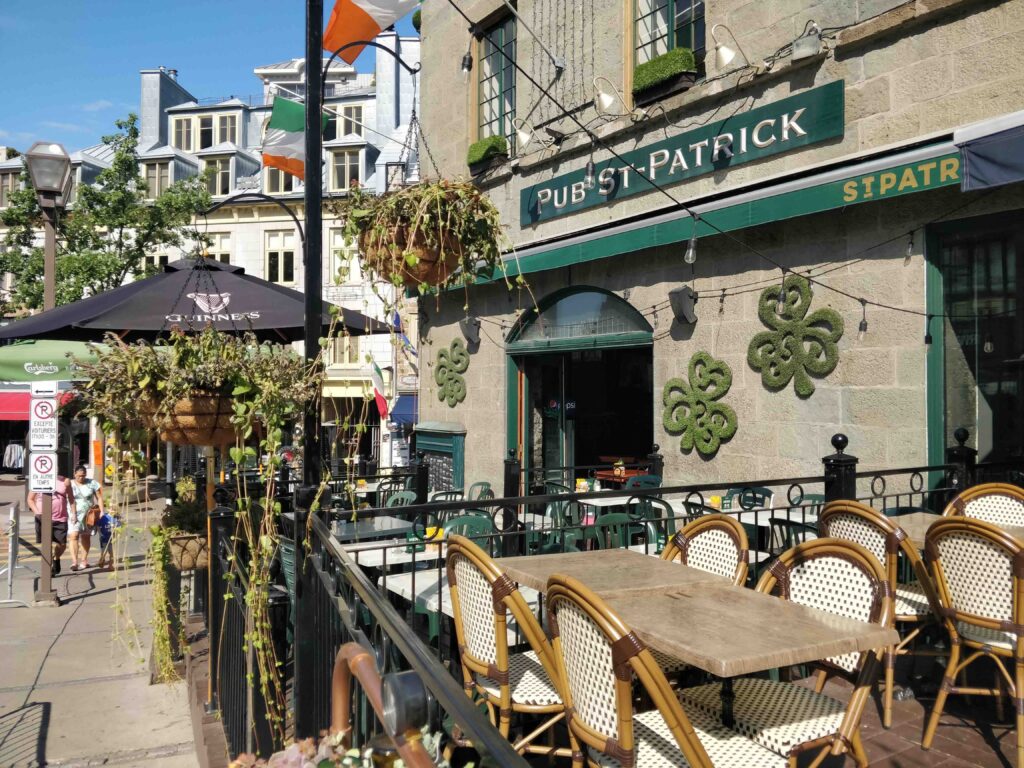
(88,494)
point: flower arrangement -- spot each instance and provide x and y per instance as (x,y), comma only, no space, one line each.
(435,234)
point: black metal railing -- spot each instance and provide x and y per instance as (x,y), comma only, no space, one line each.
(364,568)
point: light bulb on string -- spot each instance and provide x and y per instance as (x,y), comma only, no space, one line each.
(467,66)
(589,179)
(862,329)
(928,331)
(691,247)
(989,346)
(910,248)
(780,305)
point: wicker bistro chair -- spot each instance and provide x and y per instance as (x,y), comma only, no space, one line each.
(835,576)
(598,658)
(509,684)
(978,571)
(714,543)
(998,503)
(884,539)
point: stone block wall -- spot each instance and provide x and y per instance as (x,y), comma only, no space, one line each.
(876,395)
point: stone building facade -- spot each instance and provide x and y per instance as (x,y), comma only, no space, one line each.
(831,147)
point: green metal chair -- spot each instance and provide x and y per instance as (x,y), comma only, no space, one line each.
(477,491)
(658,516)
(610,531)
(401,499)
(642,481)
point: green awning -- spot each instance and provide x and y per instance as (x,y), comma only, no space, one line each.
(42,360)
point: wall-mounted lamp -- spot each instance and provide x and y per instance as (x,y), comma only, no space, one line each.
(724,55)
(683,301)
(605,98)
(809,43)
(470,327)
(526,135)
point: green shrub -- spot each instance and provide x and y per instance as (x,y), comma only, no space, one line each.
(485,149)
(662,68)
(416,19)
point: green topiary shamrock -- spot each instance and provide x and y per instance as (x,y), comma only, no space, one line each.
(451,364)
(799,345)
(691,407)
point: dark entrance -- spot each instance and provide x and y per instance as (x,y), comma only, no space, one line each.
(585,391)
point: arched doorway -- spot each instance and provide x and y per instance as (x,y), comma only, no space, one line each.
(580,382)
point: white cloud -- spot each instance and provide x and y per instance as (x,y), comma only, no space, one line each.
(97,106)
(59,126)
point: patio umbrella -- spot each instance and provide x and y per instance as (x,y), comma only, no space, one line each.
(190,294)
(42,360)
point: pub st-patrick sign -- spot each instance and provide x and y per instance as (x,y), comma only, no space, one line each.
(796,121)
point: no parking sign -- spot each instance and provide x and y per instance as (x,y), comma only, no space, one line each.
(42,472)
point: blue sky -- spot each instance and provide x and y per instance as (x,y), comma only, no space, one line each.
(69,68)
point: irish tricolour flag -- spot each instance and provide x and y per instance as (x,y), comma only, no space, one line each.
(378,390)
(284,146)
(353,20)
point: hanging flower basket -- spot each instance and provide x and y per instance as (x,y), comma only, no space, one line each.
(202,419)
(188,551)
(435,234)
(414,263)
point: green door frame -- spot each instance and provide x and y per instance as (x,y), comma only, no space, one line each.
(516,352)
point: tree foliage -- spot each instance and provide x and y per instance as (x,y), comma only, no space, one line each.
(105,235)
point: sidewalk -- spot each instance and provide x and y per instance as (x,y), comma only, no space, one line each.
(72,692)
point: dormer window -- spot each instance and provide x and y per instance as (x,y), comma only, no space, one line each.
(206,132)
(182,133)
(8,186)
(219,180)
(157,179)
(279,182)
(227,128)
(352,120)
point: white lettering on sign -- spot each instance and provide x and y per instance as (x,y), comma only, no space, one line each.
(665,164)
(42,474)
(42,427)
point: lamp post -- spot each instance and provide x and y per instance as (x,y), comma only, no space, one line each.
(50,169)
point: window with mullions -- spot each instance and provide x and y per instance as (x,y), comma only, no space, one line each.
(498,80)
(662,25)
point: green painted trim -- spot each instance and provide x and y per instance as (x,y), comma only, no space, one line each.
(511,391)
(925,175)
(607,341)
(458,461)
(935,360)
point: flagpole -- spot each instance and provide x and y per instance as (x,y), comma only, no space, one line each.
(305,615)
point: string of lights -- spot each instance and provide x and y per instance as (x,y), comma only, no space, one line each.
(595,138)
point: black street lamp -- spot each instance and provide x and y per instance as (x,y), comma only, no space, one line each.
(49,167)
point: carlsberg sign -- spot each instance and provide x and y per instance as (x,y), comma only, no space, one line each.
(806,118)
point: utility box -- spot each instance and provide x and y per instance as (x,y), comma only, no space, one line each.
(443,445)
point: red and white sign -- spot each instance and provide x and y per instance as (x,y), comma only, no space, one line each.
(42,472)
(42,428)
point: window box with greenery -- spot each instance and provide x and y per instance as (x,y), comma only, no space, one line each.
(486,154)
(664,75)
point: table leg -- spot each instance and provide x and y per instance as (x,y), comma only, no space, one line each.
(727,699)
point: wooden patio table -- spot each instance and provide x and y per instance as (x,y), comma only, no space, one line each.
(916,525)
(730,631)
(608,572)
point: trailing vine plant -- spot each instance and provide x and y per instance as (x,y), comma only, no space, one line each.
(797,346)
(692,408)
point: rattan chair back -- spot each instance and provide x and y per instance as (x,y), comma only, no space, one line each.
(878,534)
(714,543)
(998,503)
(836,576)
(978,570)
(598,657)
(482,599)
